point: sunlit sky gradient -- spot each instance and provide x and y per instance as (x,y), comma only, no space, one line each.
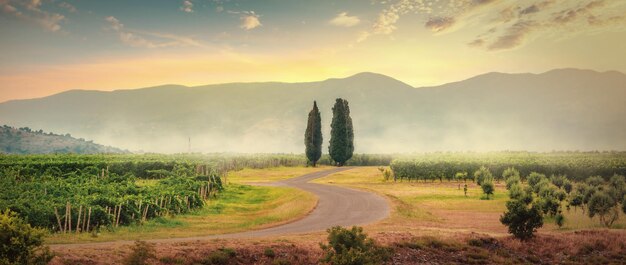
(49,46)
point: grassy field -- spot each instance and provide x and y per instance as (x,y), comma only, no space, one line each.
(270,174)
(442,206)
(238,208)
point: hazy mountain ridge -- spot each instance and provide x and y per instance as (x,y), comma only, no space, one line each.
(26,141)
(560,109)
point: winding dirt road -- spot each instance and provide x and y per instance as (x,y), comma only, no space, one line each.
(336,206)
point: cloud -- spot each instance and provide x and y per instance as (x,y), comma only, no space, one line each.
(143,39)
(31,11)
(187,6)
(439,24)
(514,36)
(516,24)
(249,20)
(68,7)
(343,20)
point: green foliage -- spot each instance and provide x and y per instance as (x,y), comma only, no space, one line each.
(510,172)
(534,178)
(142,253)
(313,135)
(482,175)
(341,146)
(595,181)
(559,219)
(512,180)
(521,219)
(558,180)
(516,192)
(352,247)
(602,205)
(488,188)
(269,252)
(568,186)
(624,204)
(20,243)
(577,166)
(575,199)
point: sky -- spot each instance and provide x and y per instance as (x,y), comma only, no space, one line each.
(50,46)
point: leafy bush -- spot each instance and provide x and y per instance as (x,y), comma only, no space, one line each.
(352,247)
(20,243)
(268,252)
(141,253)
(521,219)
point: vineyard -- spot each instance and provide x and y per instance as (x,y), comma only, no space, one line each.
(576,166)
(81,193)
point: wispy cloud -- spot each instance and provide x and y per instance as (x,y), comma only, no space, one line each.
(144,39)
(69,7)
(437,24)
(344,20)
(518,23)
(32,12)
(187,6)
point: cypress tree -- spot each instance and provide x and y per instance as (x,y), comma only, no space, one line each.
(341,144)
(313,135)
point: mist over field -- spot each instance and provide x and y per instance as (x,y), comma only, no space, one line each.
(565,109)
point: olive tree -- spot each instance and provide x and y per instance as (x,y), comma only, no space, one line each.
(602,205)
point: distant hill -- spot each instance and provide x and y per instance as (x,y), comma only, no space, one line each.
(26,141)
(565,109)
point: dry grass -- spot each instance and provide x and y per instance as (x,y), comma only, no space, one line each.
(442,206)
(249,175)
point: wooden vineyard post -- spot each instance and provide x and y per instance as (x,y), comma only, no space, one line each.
(56,213)
(119,212)
(80,209)
(88,219)
(69,213)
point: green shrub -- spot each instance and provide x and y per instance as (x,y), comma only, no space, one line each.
(488,188)
(220,256)
(352,247)
(269,253)
(521,220)
(20,243)
(141,253)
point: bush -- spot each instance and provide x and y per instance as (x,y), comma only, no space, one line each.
(534,178)
(220,257)
(269,253)
(521,220)
(20,243)
(351,246)
(141,252)
(559,219)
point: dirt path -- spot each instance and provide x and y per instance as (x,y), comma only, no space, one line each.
(336,206)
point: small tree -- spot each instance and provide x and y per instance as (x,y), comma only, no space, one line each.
(534,178)
(482,174)
(522,219)
(460,176)
(602,205)
(313,136)
(488,188)
(465,189)
(510,172)
(341,146)
(567,186)
(512,180)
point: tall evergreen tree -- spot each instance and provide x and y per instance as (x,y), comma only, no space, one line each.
(341,144)
(313,135)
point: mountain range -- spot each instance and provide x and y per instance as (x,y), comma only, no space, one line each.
(563,109)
